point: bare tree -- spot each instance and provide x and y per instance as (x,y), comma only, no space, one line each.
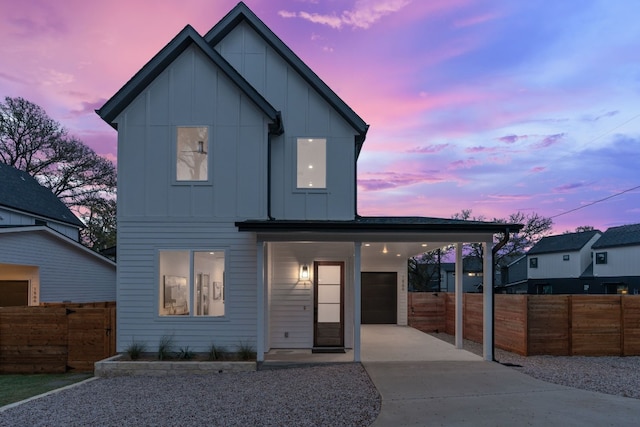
(33,142)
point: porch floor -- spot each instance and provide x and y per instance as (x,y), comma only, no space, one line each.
(380,343)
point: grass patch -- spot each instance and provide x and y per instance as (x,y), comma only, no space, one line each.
(14,388)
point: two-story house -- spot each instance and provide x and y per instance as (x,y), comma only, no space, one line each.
(41,258)
(237,201)
(615,260)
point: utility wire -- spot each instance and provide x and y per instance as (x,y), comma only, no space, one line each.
(597,201)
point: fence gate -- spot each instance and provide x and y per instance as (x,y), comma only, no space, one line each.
(91,336)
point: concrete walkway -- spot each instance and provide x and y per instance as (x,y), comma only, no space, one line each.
(426,382)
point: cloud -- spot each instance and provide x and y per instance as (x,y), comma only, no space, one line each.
(550,140)
(474,20)
(538,169)
(510,197)
(590,118)
(568,187)
(364,14)
(480,149)
(429,149)
(389,180)
(510,139)
(463,164)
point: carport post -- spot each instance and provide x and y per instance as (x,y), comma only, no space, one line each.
(458,295)
(487,287)
(260,309)
(357,306)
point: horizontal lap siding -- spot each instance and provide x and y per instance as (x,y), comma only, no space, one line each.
(139,285)
(66,273)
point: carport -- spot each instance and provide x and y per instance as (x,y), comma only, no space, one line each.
(310,278)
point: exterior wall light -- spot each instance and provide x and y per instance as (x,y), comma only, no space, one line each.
(304,272)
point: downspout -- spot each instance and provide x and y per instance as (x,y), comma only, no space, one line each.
(494,251)
(276,128)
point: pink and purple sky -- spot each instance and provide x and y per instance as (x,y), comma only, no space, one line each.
(490,105)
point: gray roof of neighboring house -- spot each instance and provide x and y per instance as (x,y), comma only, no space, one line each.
(152,69)
(569,242)
(22,192)
(624,235)
(242,13)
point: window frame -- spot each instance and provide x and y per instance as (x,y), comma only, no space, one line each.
(601,258)
(191,286)
(209,150)
(320,190)
(533,262)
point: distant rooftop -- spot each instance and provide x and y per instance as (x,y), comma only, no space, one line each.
(22,192)
(624,235)
(569,242)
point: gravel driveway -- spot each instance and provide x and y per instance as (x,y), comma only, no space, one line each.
(331,395)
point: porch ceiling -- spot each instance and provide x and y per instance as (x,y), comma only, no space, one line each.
(383,251)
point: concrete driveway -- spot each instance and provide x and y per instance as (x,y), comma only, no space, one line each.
(427,382)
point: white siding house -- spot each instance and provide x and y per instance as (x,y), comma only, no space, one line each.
(237,214)
(561,256)
(41,259)
(615,259)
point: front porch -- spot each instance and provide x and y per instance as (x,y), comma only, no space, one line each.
(380,343)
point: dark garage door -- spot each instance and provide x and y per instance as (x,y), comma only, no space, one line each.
(14,293)
(379,298)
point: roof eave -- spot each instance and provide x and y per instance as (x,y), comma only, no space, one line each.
(242,13)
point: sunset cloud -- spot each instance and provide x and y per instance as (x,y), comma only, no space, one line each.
(429,149)
(363,15)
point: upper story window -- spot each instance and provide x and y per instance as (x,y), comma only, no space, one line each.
(312,163)
(533,262)
(601,257)
(192,153)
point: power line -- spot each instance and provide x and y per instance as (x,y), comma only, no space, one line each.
(597,201)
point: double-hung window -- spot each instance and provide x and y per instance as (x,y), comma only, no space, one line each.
(191,283)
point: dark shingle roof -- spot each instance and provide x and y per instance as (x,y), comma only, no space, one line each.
(569,242)
(187,37)
(624,235)
(20,191)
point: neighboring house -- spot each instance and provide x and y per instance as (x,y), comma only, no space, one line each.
(237,203)
(473,273)
(579,263)
(616,256)
(41,259)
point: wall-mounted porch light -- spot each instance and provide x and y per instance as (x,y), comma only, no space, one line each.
(304,272)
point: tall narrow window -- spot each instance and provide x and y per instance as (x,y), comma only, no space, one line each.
(192,153)
(312,163)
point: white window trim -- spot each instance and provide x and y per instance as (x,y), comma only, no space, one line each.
(174,157)
(294,157)
(191,283)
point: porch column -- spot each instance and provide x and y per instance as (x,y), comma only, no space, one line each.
(458,295)
(357,292)
(487,286)
(260,309)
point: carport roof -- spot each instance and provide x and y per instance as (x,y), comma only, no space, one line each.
(384,224)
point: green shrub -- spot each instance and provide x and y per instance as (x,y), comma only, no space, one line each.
(165,347)
(245,352)
(135,350)
(216,353)
(185,353)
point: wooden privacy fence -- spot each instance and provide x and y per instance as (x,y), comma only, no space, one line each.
(56,338)
(586,325)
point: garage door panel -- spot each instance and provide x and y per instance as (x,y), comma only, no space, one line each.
(379,298)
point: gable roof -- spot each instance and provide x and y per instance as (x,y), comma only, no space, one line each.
(242,13)
(22,192)
(569,242)
(152,69)
(624,235)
